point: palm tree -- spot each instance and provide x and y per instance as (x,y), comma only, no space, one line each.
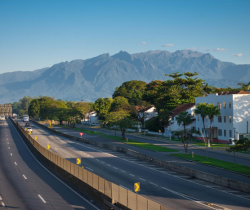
(211,112)
(185,119)
(244,86)
(201,109)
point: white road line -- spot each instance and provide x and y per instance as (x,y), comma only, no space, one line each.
(102,162)
(24,176)
(55,176)
(90,169)
(9,147)
(41,198)
(125,187)
(115,168)
(123,171)
(97,160)
(15,163)
(2,203)
(153,183)
(131,175)
(108,165)
(10,154)
(142,179)
(7,142)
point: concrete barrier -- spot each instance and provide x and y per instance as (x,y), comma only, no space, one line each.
(233,184)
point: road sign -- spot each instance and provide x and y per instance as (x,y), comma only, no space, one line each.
(25,129)
(35,137)
(78,161)
(48,146)
(137,187)
(81,134)
(29,132)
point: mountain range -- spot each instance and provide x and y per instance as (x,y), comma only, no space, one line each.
(98,77)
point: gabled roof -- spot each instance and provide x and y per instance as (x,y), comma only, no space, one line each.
(146,109)
(234,92)
(182,108)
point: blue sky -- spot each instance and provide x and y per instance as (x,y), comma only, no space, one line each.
(40,33)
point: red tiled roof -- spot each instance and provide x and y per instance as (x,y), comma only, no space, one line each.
(234,92)
(181,108)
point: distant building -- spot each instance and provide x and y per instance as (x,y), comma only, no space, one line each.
(148,113)
(173,125)
(91,118)
(6,109)
(234,118)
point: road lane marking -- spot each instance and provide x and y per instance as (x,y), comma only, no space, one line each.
(115,167)
(131,175)
(142,179)
(9,147)
(123,171)
(2,203)
(90,169)
(41,198)
(10,154)
(108,165)
(24,176)
(153,183)
(15,163)
(54,175)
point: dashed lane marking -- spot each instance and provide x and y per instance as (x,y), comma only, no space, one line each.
(15,163)
(153,183)
(41,198)
(142,179)
(10,154)
(2,203)
(24,176)
(131,175)
(90,169)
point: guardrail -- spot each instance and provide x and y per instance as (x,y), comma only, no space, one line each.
(85,181)
(225,182)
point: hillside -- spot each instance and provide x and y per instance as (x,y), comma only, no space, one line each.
(99,76)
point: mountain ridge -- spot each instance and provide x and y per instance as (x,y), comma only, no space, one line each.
(99,76)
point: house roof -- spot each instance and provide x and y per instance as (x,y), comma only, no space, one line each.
(234,92)
(181,108)
(146,109)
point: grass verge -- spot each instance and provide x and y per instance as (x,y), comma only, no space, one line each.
(212,144)
(215,162)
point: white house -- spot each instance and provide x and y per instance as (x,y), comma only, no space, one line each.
(148,113)
(173,125)
(234,117)
(91,118)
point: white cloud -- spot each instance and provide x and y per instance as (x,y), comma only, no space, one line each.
(143,43)
(238,55)
(168,45)
(220,49)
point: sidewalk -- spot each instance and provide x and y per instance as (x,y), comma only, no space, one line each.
(161,155)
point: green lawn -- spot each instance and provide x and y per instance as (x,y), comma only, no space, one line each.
(131,142)
(212,144)
(140,144)
(215,162)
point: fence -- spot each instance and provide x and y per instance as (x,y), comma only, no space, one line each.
(88,181)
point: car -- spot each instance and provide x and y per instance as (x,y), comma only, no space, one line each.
(27,125)
(29,129)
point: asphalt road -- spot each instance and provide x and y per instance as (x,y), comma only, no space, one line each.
(218,154)
(171,189)
(26,184)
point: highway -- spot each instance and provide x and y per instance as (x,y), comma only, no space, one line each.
(175,191)
(27,184)
(218,154)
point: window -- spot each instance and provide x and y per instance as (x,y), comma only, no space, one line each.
(225,132)
(224,105)
(172,118)
(219,105)
(225,119)
(219,132)
(199,129)
(229,105)
(230,119)
(230,133)
(219,119)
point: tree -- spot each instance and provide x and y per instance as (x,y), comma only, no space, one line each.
(132,90)
(211,112)
(83,107)
(185,119)
(121,119)
(102,107)
(119,103)
(34,108)
(245,87)
(201,109)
